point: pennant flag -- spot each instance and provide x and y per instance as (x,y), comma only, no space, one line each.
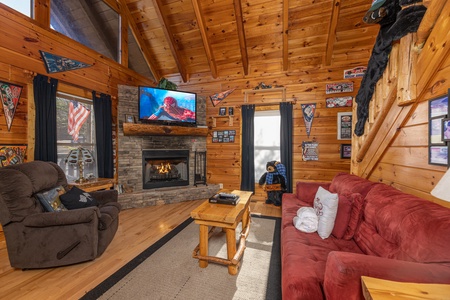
(56,63)
(10,94)
(78,114)
(308,115)
(216,98)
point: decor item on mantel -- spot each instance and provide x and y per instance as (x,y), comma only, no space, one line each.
(79,157)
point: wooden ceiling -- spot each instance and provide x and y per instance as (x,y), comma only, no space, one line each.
(233,38)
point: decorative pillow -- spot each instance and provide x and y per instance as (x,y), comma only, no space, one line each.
(50,199)
(325,205)
(343,215)
(77,198)
(355,215)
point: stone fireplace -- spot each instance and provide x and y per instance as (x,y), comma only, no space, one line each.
(165,168)
(131,165)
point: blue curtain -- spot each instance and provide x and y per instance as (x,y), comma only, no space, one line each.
(44,91)
(103,133)
(286,141)
(248,148)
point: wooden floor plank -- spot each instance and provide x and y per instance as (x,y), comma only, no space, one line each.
(138,229)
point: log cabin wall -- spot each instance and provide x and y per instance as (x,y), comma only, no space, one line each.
(20,60)
(224,159)
(394,148)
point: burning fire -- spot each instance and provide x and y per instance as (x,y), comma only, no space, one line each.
(164,168)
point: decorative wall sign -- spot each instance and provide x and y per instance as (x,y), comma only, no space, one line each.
(308,115)
(438,122)
(225,136)
(12,154)
(355,72)
(55,63)
(344,123)
(217,98)
(310,150)
(10,94)
(343,87)
(346,150)
(339,102)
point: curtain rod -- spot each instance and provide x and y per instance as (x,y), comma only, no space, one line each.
(268,103)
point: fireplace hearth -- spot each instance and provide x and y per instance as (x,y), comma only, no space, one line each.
(165,168)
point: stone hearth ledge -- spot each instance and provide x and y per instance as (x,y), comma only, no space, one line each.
(161,196)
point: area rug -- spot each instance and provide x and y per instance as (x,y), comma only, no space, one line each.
(167,270)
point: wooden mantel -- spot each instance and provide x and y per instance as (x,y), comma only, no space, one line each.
(148,129)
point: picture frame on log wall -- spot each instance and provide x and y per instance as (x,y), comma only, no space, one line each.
(344,126)
(346,151)
(438,122)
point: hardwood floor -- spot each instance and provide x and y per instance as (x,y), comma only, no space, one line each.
(138,229)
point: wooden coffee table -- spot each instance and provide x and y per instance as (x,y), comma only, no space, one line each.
(226,217)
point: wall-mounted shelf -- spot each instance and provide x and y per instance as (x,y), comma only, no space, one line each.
(148,129)
(230,120)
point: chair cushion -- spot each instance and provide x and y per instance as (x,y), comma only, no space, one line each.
(77,198)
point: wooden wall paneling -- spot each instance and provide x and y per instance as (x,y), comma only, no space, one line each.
(435,51)
(406,93)
(419,179)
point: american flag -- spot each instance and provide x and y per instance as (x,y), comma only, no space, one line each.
(77,116)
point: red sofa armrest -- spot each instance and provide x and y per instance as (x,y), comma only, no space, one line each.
(344,270)
(306,191)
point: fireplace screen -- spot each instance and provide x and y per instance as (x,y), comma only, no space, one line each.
(165,168)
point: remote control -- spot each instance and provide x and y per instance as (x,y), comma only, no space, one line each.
(227,196)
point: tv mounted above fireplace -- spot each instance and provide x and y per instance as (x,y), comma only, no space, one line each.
(167,107)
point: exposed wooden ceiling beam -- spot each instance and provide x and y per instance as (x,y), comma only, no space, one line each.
(332,31)
(241,34)
(285,32)
(139,40)
(42,12)
(206,44)
(170,39)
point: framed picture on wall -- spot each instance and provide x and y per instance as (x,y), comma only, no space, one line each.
(438,125)
(346,150)
(344,126)
(445,130)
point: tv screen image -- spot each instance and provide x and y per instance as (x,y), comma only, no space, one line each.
(167,106)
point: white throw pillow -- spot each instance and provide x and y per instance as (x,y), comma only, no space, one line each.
(325,205)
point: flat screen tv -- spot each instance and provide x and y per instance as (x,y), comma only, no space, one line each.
(166,107)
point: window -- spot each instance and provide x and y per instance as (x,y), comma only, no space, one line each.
(21,6)
(267,139)
(85,137)
(91,23)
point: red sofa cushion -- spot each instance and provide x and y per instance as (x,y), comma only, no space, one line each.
(355,216)
(344,183)
(306,191)
(401,226)
(343,216)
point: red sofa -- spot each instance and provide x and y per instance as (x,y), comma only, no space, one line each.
(390,235)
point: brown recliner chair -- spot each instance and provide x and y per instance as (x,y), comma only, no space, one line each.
(39,239)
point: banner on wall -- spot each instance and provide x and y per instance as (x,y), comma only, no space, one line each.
(10,94)
(217,98)
(308,115)
(55,63)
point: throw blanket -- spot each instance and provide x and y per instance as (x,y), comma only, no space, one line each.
(306,220)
